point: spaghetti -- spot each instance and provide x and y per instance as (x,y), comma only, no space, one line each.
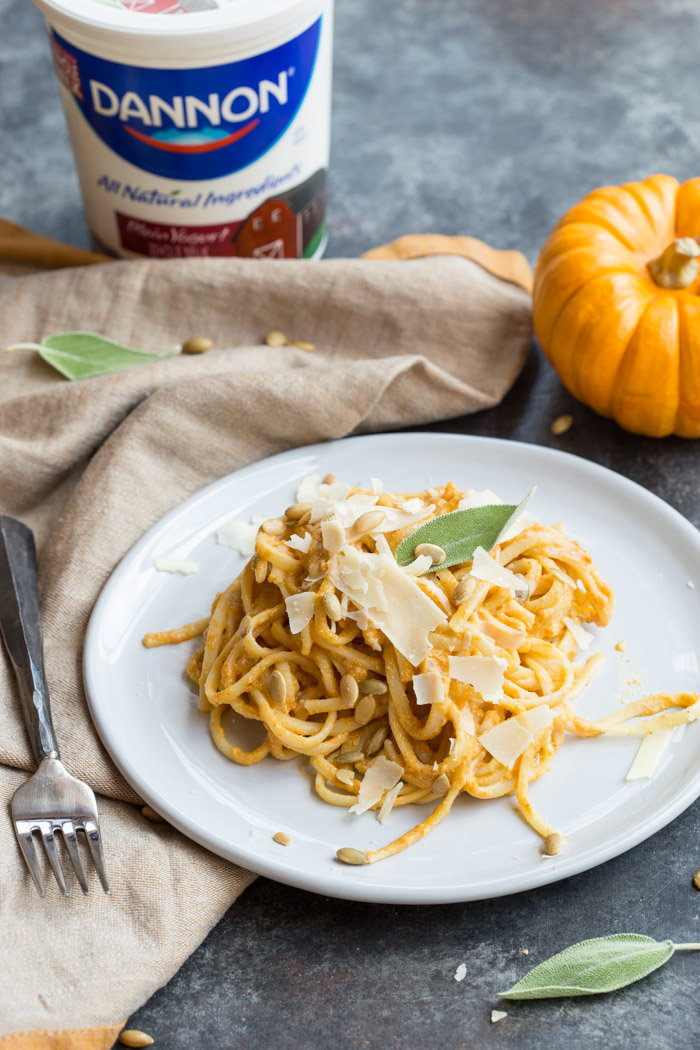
(285,646)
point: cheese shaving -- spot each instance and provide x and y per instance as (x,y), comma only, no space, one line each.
(239,536)
(300,543)
(308,488)
(184,568)
(649,754)
(377,486)
(484,673)
(300,609)
(388,803)
(381,776)
(394,603)
(333,535)
(507,741)
(582,637)
(498,1015)
(419,565)
(428,688)
(485,567)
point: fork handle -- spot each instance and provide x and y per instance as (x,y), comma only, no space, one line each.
(20,626)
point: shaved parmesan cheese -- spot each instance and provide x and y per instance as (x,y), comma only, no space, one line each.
(394,602)
(507,741)
(388,803)
(300,543)
(239,536)
(460,972)
(333,535)
(472,498)
(381,776)
(300,609)
(377,486)
(382,545)
(348,512)
(419,565)
(184,568)
(483,673)
(337,491)
(428,688)
(485,567)
(435,766)
(360,617)
(504,636)
(415,505)
(582,637)
(498,1015)
(468,722)
(345,776)
(308,488)
(650,751)
(453,741)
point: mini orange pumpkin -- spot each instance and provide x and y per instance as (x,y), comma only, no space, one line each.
(617,304)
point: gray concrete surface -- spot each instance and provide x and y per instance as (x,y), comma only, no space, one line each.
(487,117)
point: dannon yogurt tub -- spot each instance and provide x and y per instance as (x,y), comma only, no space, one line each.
(200,127)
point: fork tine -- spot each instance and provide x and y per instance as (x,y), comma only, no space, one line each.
(46,828)
(70,840)
(92,833)
(26,844)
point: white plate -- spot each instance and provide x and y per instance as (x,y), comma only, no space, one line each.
(146,716)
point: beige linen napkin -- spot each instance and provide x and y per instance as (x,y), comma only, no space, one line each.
(91,465)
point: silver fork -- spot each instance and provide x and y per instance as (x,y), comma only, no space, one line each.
(51,801)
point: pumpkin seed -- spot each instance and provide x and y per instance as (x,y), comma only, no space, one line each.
(278,687)
(348,688)
(197,346)
(282,837)
(274,527)
(330,479)
(373,686)
(364,712)
(301,344)
(553,843)
(150,814)
(348,855)
(260,571)
(331,607)
(276,339)
(133,1037)
(376,741)
(349,756)
(296,511)
(561,424)
(441,785)
(435,553)
(463,590)
(696,880)
(366,522)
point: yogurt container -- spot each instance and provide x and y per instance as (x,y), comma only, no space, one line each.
(199,127)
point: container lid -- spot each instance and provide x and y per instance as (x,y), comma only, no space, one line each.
(177,19)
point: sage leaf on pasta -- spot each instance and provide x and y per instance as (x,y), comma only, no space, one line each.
(460,532)
(603,964)
(82,355)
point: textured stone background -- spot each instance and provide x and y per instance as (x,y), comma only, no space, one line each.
(487,117)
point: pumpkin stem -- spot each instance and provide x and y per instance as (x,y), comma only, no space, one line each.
(678,266)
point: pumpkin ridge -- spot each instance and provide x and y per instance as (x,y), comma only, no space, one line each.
(625,406)
(639,197)
(603,224)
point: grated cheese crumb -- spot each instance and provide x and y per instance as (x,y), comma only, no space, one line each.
(460,972)
(498,1015)
(184,568)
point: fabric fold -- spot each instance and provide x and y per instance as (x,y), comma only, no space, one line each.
(91,465)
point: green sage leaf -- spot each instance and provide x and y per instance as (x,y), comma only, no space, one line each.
(460,532)
(81,355)
(603,964)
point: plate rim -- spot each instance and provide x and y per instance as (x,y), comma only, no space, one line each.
(346,889)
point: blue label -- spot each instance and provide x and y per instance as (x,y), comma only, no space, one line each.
(191,123)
